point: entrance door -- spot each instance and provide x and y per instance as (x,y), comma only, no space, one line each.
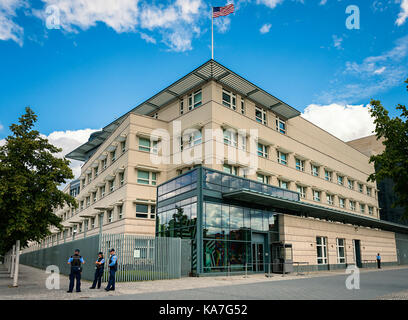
(258,256)
(258,251)
(357,253)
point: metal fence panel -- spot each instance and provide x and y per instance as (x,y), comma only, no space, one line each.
(143,258)
(58,255)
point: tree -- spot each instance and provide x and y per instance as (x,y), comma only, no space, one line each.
(393,162)
(30,175)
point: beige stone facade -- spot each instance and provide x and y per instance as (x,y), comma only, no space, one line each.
(118,178)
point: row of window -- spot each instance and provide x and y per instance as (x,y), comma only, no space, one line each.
(229,100)
(321,250)
(103,164)
(302,191)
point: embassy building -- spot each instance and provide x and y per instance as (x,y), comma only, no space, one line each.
(215,159)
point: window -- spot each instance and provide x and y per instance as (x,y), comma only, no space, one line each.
(280,125)
(147,145)
(342,203)
(229,99)
(370,211)
(152,211)
(362,208)
(122,178)
(92,223)
(89,177)
(194,138)
(341,251)
(283,158)
(329,198)
(352,205)
(340,180)
(260,115)
(283,184)
(300,164)
(242,106)
(230,137)
(102,191)
(123,146)
(181,107)
(301,190)
(194,100)
(315,170)
(120,211)
(82,205)
(328,175)
(350,184)
(230,169)
(112,185)
(321,247)
(104,164)
(262,178)
(96,172)
(110,216)
(262,150)
(368,191)
(316,195)
(88,201)
(113,156)
(146,177)
(360,187)
(94,196)
(142,210)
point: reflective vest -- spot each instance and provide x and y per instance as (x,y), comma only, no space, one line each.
(76,262)
(100,266)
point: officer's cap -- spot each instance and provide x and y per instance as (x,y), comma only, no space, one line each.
(112,250)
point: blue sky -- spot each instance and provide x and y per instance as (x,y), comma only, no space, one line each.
(108,56)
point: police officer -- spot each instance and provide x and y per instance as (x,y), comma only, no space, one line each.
(113,267)
(99,267)
(75,261)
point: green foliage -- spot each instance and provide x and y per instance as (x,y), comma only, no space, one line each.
(393,162)
(30,175)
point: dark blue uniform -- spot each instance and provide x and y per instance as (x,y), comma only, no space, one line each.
(76,261)
(98,273)
(113,267)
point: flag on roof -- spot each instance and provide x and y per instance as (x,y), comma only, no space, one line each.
(223,11)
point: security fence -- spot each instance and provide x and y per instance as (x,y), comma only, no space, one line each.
(58,255)
(143,258)
(139,258)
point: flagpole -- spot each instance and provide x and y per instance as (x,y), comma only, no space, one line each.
(212,33)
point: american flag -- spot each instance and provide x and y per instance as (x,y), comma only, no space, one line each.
(223,11)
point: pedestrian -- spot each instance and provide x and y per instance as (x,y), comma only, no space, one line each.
(76,262)
(99,268)
(113,267)
(378,261)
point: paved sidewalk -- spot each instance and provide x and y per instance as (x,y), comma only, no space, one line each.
(32,284)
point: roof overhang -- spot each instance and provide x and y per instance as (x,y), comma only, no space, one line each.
(209,71)
(315,211)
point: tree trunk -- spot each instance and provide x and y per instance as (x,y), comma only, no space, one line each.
(13,253)
(15,282)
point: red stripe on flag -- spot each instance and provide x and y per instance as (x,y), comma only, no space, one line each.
(224,11)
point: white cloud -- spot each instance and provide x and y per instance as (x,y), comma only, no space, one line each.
(222,25)
(337,42)
(265,28)
(374,74)
(68,141)
(9,30)
(269,3)
(147,38)
(346,122)
(403,15)
(322,2)
(178,21)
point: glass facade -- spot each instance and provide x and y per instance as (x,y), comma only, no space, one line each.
(228,235)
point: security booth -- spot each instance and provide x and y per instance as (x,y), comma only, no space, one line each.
(282,257)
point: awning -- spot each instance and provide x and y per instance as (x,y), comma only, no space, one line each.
(311,210)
